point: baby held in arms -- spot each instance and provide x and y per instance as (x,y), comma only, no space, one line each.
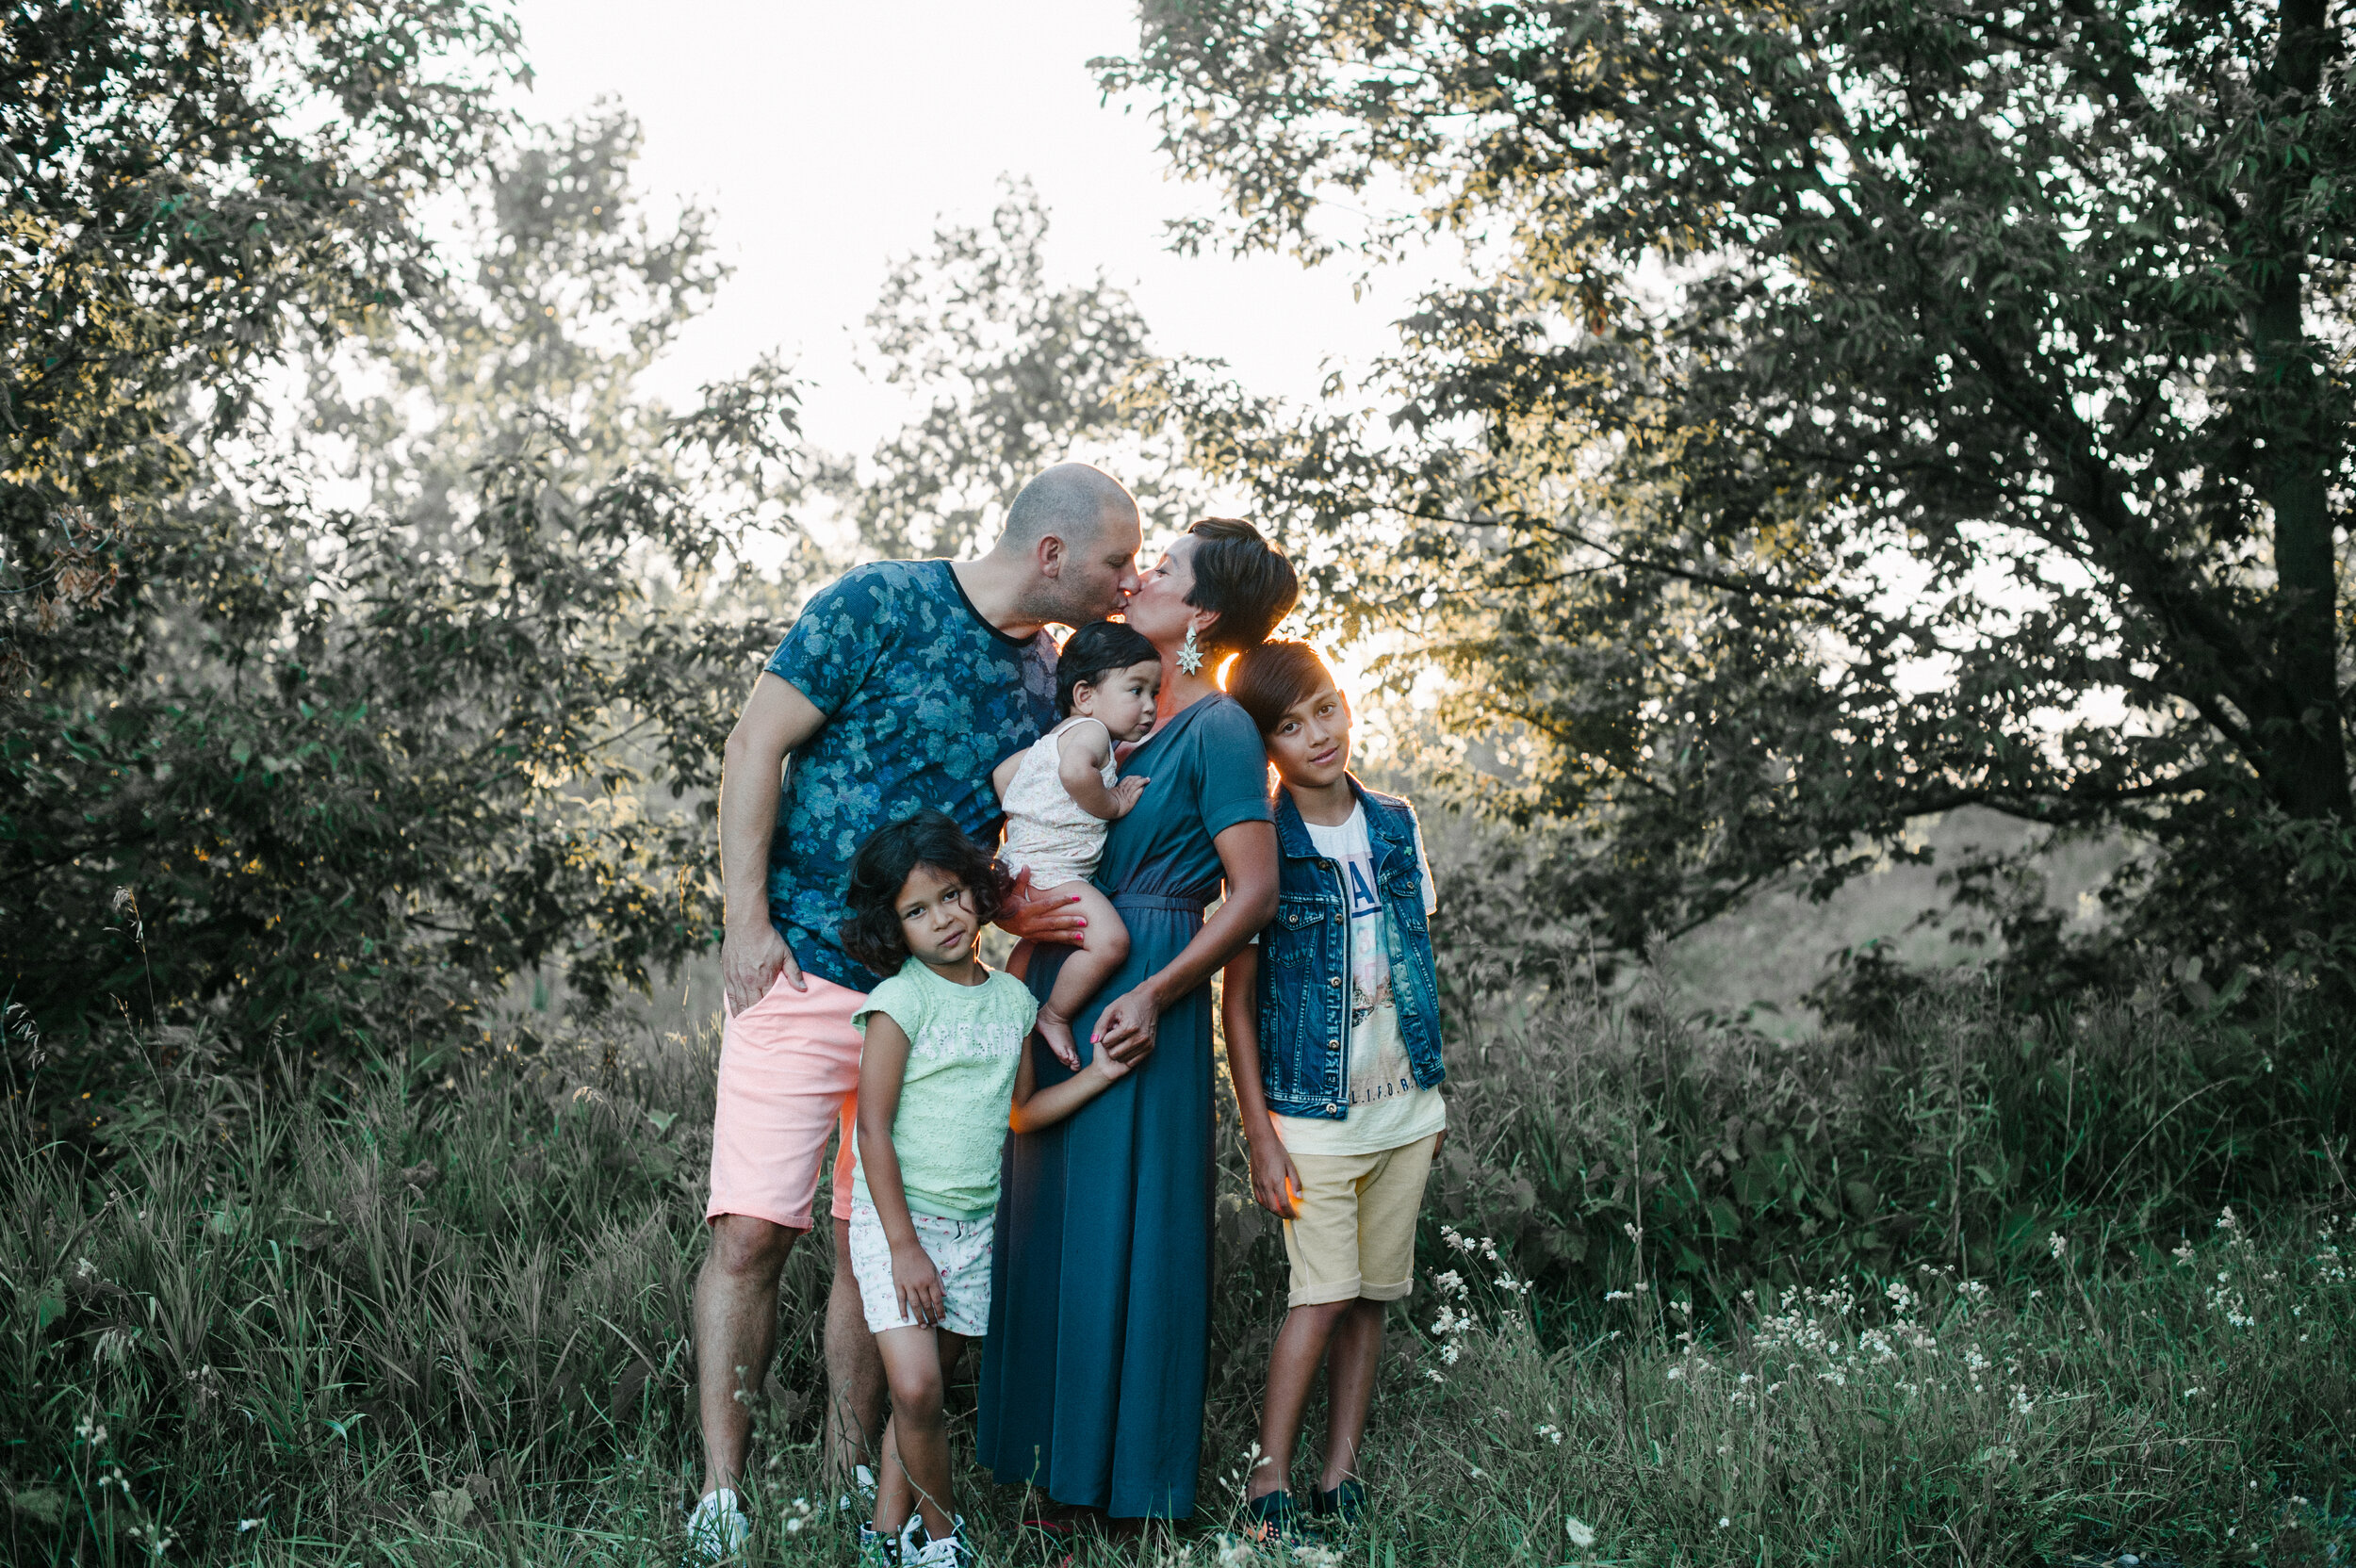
(1060,795)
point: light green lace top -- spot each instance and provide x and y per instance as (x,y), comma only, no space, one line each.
(964,1045)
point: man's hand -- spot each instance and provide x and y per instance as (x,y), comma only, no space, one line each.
(1276,1179)
(1034,917)
(1126,1028)
(1125,794)
(917,1285)
(751,959)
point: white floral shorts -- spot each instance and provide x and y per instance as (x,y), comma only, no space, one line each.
(959,1248)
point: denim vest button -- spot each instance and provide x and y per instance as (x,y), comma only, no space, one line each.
(1333,980)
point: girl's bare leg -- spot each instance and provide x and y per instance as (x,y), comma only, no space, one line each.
(915,1478)
(1103,950)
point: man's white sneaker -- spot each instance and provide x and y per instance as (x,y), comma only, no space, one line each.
(719,1528)
(861,1498)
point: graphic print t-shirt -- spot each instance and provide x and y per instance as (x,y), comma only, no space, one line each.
(964,1045)
(1385,1108)
(922,698)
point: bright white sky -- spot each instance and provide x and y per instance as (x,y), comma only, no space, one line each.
(827,139)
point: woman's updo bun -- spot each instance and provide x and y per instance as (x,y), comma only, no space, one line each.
(1245,579)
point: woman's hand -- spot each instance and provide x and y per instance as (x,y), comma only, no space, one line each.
(1034,917)
(917,1285)
(1276,1179)
(1126,1028)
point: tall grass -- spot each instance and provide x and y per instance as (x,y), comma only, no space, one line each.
(442,1318)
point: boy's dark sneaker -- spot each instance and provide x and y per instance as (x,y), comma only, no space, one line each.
(1270,1517)
(1343,1505)
(876,1549)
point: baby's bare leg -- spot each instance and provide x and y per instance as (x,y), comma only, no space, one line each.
(1102,951)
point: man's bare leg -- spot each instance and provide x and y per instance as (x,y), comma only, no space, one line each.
(736,1330)
(855,1373)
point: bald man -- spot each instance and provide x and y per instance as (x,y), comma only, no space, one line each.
(900,686)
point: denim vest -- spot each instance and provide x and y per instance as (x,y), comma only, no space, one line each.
(1304,962)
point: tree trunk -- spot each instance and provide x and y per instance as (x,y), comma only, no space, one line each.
(2307,746)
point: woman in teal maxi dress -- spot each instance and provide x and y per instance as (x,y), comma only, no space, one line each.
(1092,1374)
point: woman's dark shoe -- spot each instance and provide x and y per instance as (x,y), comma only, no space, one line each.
(1345,1504)
(1270,1517)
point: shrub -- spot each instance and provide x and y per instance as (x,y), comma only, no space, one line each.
(1604,1140)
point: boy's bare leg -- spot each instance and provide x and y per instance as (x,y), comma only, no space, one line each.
(1105,949)
(855,1375)
(917,1364)
(1292,1372)
(1350,1367)
(736,1328)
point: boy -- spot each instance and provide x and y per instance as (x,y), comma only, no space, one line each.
(1333,1042)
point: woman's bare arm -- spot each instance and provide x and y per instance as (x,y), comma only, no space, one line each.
(1247,851)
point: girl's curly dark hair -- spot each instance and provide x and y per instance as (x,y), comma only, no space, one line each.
(881,868)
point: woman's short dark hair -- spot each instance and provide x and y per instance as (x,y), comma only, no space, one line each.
(1243,576)
(1095,651)
(882,866)
(1268,678)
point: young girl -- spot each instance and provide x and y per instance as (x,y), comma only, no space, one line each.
(1060,795)
(943,1062)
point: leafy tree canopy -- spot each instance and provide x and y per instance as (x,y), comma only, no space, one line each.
(1857,411)
(1017,372)
(332,699)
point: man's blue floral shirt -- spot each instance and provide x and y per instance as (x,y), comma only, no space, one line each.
(922,698)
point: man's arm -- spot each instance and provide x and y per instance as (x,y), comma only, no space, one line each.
(776,718)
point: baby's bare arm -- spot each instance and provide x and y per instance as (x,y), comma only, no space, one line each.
(1083,753)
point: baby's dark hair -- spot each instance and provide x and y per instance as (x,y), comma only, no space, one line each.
(882,866)
(1095,651)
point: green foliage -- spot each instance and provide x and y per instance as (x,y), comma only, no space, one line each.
(1021,374)
(1941,1126)
(338,767)
(1855,411)
(423,1319)
(190,187)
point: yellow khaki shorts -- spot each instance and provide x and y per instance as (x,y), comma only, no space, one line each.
(1355,1234)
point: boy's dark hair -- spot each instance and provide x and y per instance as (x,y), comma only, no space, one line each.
(881,868)
(1095,651)
(1243,576)
(1268,677)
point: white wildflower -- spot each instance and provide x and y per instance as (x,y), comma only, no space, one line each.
(1583,1534)
(2056,1245)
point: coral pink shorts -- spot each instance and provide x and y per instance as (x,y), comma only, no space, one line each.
(788,1075)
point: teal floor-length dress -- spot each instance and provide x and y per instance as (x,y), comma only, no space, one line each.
(1092,1376)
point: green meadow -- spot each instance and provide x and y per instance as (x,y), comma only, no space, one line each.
(1979,1289)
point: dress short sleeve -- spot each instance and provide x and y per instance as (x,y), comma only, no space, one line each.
(899,999)
(1234,768)
(834,641)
